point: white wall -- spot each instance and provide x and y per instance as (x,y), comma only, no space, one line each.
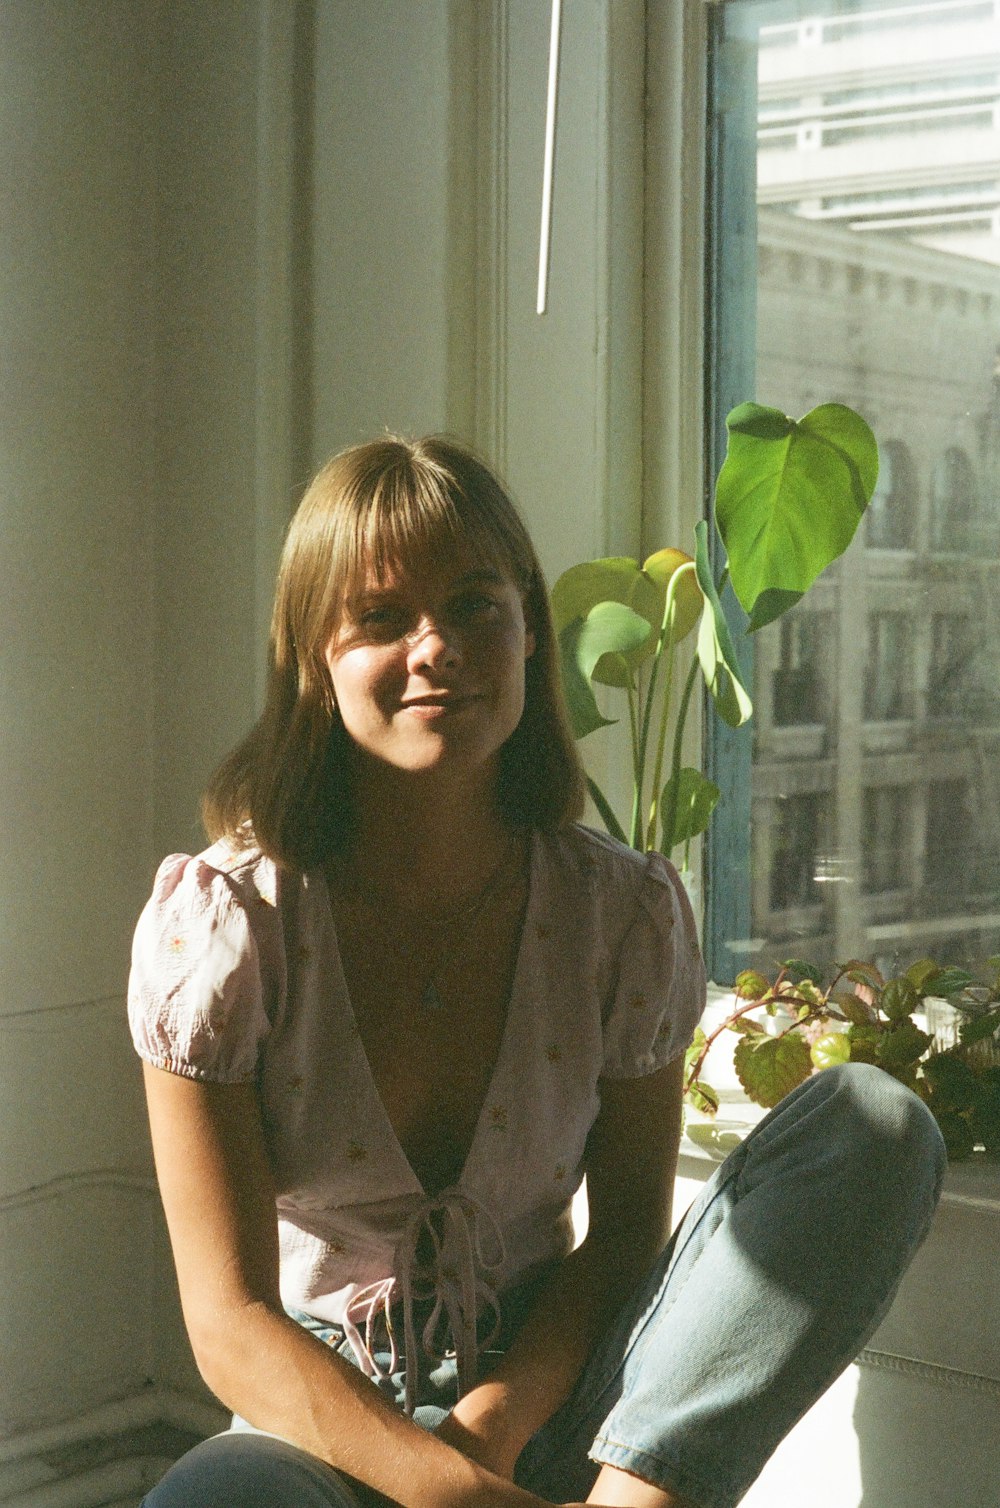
(77,656)
(235,237)
(127,316)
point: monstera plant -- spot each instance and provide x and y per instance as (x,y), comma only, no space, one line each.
(788,499)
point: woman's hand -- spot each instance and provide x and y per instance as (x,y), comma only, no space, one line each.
(476,1428)
(631,1162)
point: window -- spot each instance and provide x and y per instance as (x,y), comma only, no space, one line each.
(948,849)
(953,501)
(892,511)
(885,815)
(889,668)
(855,233)
(794,880)
(797,688)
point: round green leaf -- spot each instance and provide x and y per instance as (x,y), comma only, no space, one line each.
(619,579)
(770,1067)
(608,629)
(661,567)
(691,799)
(789,498)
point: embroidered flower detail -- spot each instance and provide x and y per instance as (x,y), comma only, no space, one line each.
(498,1117)
(553,1052)
(560,1171)
(638,1001)
(543,930)
(177,944)
(295,1084)
(356,1151)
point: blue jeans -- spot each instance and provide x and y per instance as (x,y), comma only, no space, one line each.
(777,1276)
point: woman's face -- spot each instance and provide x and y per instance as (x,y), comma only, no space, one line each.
(428,670)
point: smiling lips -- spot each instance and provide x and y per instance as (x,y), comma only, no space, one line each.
(437,705)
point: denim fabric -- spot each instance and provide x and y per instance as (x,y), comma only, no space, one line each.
(777,1276)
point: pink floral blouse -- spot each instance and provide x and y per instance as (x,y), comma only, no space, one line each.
(236,977)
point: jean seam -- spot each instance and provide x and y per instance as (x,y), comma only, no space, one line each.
(677,1479)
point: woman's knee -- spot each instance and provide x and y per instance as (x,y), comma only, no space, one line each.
(881,1123)
(241,1469)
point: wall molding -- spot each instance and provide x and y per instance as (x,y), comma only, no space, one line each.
(73,1183)
(493,69)
(926,1371)
(154,1405)
(60,1465)
(281,232)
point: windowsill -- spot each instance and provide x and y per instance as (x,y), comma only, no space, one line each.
(708,1140)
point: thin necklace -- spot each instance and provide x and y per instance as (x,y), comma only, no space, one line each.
(430,995)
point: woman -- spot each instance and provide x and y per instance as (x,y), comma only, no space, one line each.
(398,1010)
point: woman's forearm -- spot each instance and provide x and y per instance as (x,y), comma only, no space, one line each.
(494,1422)
(273,1373)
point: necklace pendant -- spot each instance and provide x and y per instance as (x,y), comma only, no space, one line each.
(430,999)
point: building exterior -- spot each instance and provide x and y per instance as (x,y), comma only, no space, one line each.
(876,775)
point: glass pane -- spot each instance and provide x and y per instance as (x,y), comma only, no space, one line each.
(876,760)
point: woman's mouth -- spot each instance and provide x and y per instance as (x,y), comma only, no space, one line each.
(432,707)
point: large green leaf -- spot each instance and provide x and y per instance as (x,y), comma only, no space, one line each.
(691,798)
(789,498)
(716,651)
(770,1067)
(620,579)
(609,628)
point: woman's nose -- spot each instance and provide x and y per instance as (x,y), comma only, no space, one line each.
(433,644)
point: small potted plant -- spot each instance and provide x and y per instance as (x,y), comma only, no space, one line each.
(858,1015)
(788,499)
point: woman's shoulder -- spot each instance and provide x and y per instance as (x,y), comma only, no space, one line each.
(225,871)
(598,860)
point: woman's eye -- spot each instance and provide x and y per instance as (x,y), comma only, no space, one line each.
(380,617)
(476,605)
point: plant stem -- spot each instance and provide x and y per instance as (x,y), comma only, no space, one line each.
(751,1005)
(603,805)
(637,764)
(670,816)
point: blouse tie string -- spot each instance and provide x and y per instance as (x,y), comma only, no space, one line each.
(447,1245)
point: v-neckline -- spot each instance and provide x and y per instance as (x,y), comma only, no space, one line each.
(499,1064)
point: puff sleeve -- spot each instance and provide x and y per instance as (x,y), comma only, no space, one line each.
(659,993)
(195,996)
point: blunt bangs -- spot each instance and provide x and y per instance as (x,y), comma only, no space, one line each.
(403,517)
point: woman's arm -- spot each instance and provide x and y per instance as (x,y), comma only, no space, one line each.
(219,1201)
(631,1164)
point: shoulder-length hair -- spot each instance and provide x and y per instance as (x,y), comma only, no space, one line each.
(388,506)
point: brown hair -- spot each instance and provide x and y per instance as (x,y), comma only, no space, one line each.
(389,505)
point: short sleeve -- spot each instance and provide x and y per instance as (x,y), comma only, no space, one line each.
(195,996)
(660,989)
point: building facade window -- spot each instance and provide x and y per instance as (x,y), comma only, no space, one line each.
(856,213)
(954,502)
(797,687)
(888,685)
(885,818)
(795,856)
(890,519)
